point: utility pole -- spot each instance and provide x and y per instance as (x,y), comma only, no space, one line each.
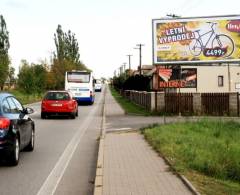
(140,57)
(124,67)
(129,61)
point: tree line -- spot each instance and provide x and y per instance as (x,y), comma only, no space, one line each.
(36,78)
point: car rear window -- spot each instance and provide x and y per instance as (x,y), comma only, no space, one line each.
(57,96)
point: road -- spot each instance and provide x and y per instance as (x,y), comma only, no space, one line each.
(64,159)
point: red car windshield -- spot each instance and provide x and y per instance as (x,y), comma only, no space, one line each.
(57,96)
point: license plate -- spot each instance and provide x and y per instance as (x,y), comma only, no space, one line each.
(56,104)
(78,94)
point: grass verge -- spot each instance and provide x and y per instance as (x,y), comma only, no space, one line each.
(26,98)
(128,106)
(206,152)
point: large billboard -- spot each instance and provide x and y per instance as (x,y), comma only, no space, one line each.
(196,40)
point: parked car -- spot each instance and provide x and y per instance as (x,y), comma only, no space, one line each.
(59,103)
(98,85)
(17,129)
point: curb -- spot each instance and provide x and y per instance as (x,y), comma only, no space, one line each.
(184,179)
(98,184)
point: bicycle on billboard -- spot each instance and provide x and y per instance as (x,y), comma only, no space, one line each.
(221,45)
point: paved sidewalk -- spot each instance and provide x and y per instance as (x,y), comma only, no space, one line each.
(131,167)
(112,107)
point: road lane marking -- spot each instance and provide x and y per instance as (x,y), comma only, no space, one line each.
(51,183)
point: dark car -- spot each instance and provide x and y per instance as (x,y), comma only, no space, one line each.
(17,129)
(59,103)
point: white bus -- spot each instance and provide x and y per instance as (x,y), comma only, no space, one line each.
(81,85)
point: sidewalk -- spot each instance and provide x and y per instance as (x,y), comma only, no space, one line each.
(131,167)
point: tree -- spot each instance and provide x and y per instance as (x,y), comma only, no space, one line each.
(66,46)
(25,78)
(11,76)
(4,46)
(66,57)
(32,78)
(40,77)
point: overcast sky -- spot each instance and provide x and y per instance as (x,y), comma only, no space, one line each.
(106,30)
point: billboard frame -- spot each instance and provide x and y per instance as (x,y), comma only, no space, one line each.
(177,19)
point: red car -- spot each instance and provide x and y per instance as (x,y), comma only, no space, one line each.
(59,103)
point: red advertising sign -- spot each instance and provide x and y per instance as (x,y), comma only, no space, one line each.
(177,78)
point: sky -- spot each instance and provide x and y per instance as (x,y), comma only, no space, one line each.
(107,30)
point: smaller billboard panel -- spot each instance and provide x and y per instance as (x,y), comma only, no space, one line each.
(196,40)
(177,78)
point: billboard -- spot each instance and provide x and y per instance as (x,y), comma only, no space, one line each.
(196,40)
(177,78)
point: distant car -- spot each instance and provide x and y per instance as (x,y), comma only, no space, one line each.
(57,103)
(17,129)
(98,85)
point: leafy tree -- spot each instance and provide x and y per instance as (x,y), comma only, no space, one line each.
(25,77)
(66,57)
(32,78)
(11,76)
(137,82)
(51,82)
(4,46)
(40,76)
(66,46)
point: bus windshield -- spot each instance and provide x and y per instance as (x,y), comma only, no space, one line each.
(78,77)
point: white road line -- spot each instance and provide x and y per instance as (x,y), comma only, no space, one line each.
(50,185)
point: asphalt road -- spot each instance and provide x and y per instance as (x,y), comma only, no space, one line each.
(64,159)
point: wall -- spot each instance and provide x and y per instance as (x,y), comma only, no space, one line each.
(207,78)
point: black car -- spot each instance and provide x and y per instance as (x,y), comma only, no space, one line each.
(17,129)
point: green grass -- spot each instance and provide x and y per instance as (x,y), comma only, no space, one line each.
(26,98)
(128,106)
(209,150)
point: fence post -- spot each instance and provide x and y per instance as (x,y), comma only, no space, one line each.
(233,104)
(197,104)
(152,101)
(160,102)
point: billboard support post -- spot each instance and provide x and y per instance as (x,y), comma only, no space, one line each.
(179,94)
(229,78)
